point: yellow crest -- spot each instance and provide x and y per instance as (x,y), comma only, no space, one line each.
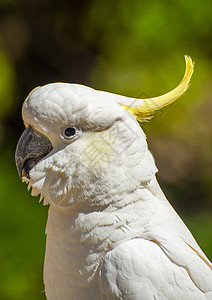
(142,109)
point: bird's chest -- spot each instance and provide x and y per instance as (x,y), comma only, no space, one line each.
(76,245)
(74,251)
(70,268)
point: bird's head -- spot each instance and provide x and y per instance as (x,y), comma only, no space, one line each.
(80,143)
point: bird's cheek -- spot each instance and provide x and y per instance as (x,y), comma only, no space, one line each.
(99,153)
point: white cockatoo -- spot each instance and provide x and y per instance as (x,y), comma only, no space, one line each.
(111,233)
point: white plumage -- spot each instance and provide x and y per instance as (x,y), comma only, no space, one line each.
(111,233)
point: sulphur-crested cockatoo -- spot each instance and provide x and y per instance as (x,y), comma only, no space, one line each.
(111,233)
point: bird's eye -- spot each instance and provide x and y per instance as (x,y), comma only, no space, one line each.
(68,132)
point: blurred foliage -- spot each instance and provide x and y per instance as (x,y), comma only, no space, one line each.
(133,48)
(7,79)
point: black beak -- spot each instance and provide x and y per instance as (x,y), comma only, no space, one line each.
(32,147)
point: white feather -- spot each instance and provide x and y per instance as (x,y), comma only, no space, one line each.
(111,233)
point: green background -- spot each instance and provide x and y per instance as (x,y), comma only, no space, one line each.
(134,48)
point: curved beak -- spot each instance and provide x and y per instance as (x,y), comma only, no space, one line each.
(32,147)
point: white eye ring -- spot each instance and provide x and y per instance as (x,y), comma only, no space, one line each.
(70,132)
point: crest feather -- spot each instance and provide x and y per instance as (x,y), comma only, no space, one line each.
(144,110)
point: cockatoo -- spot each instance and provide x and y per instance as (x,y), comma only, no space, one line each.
(111,232)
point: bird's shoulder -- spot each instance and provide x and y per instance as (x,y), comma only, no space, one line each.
(140,269)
